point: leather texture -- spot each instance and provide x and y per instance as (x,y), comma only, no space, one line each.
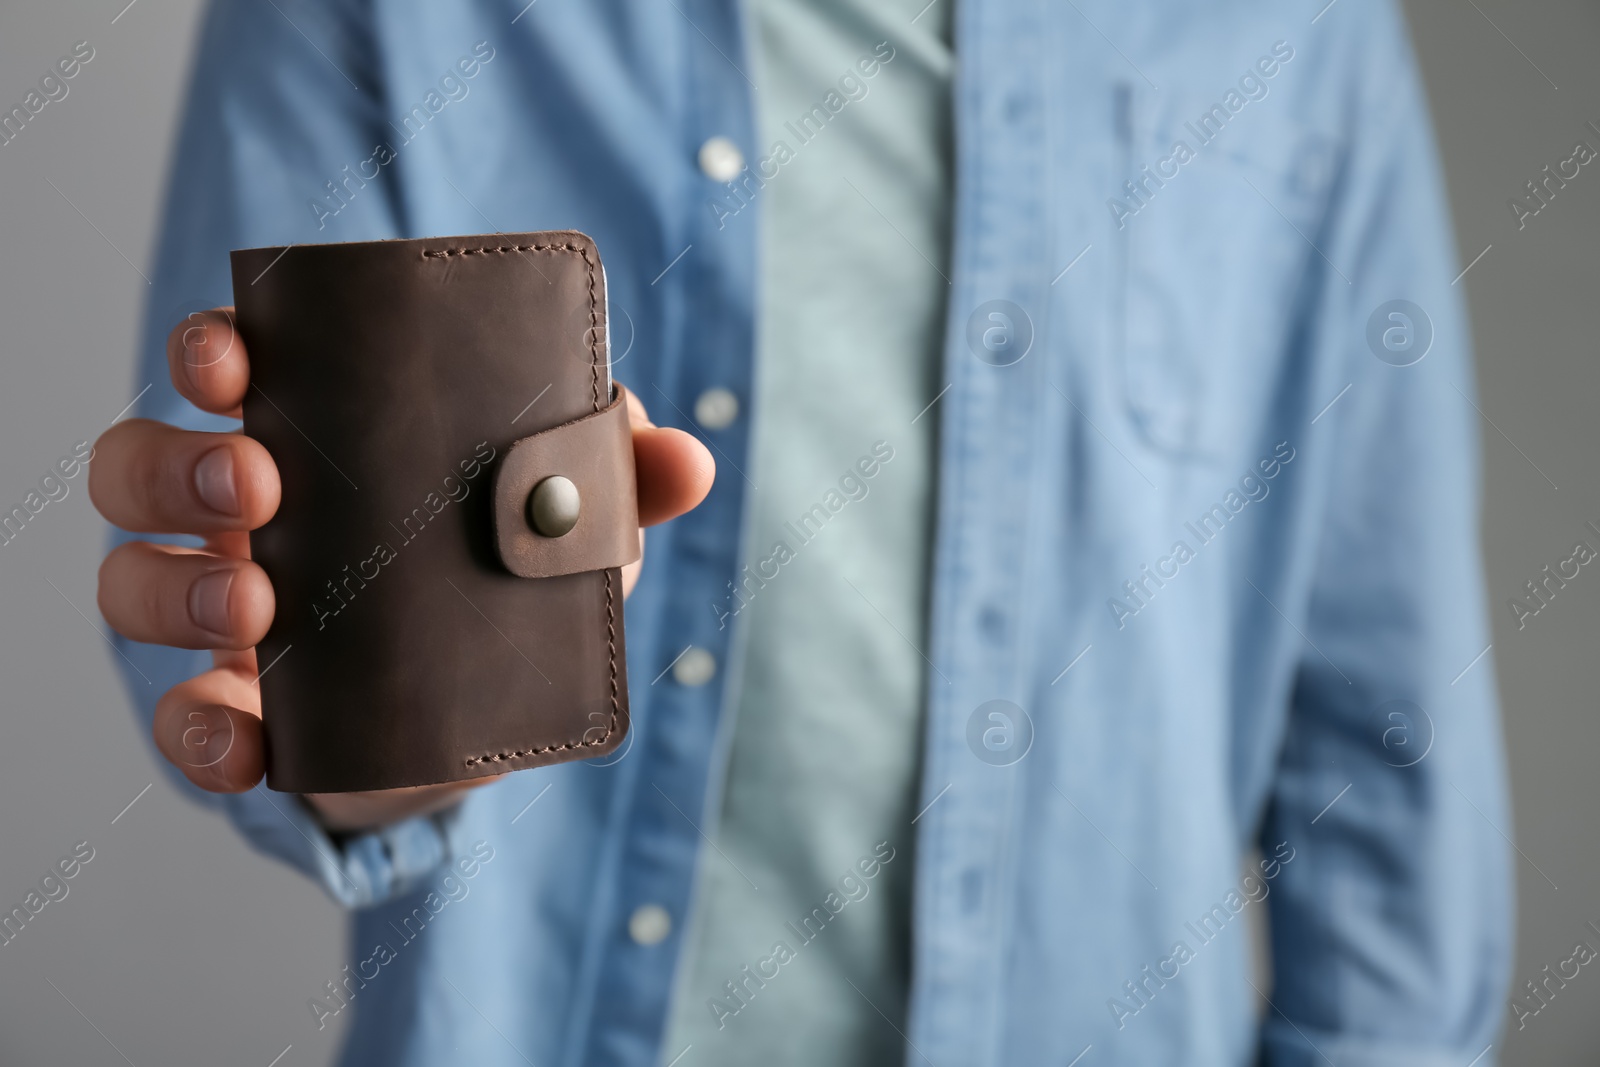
(596,453)
(389,381)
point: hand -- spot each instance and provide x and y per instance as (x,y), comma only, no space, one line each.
(149,477)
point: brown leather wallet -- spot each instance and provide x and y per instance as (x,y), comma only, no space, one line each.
(458,500)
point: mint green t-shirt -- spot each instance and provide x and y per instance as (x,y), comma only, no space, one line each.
(798,951)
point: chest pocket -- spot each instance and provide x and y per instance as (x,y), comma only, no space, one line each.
(1213,232)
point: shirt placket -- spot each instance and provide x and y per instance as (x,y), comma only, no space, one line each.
(709,273)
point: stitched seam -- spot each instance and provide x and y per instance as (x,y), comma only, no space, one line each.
(445,253)
(611,610)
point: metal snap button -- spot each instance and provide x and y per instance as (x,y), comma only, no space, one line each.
(553,506)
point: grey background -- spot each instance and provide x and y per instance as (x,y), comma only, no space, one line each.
(177,945)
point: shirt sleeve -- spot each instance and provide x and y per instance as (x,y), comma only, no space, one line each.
(283,109)
(1390,931)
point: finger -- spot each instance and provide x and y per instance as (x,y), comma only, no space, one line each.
(153,478)
(637,415)
(202,728)
(207,361)
(234,543)
(674,470)
(631,571)
(164,595)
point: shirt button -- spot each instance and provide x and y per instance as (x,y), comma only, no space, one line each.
(695,667)
(721,159)
(716,408)
(649,924)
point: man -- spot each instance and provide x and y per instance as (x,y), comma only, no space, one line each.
(1090,578)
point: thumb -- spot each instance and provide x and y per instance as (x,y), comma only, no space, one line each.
(674,469)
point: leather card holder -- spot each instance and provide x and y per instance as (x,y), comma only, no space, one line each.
(458,501)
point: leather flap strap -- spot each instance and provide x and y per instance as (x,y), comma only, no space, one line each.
(594,454)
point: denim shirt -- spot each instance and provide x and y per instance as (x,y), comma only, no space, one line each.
(1205,654)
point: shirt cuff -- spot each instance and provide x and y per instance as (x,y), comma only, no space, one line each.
(357,870)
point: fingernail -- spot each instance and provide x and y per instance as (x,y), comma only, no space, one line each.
(206,735)
(208,601)
(214,481)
